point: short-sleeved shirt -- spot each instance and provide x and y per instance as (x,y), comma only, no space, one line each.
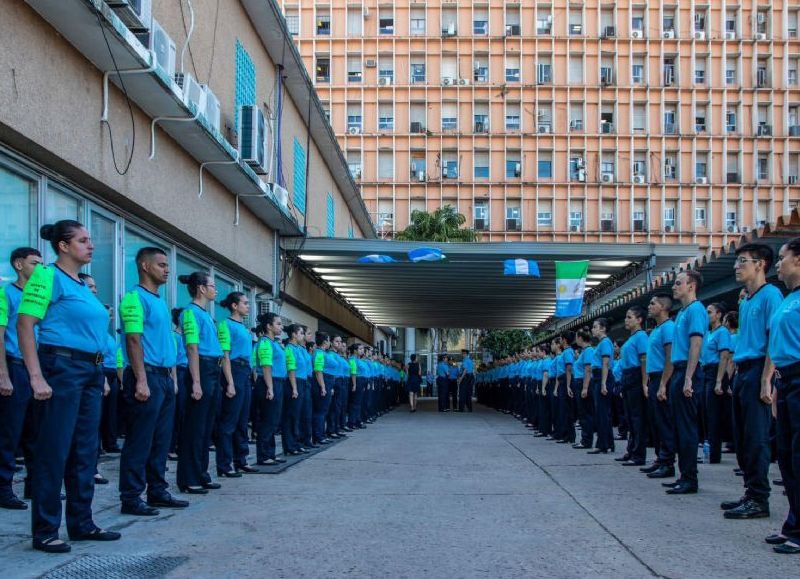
(784,335)
(568,359)
(604,349)
(755,313)
(354,369)
(691,321)
(661,337)
(453,372)
(271,353)
(441,370)
(199,330)
(715,342)
(147,314)
(71,315)
(632,350)
(616,370)
(111,354)
(10,298)
(468,366)
(584,358)
(180,359)
(235,338)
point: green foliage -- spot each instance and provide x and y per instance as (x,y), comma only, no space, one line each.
(501,343)
(442,226)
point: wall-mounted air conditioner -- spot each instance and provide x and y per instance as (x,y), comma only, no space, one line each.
(447,80)
(211,112)
(253,138)
(512,224)
(354,131)
(732,229)
(385,81)
(463,81)
(416,127)
(544,128)
(638,179)
(668,229)
(281,194)
(574,228)
(193,94)
(135,14)
(371,63)
(761,36)
(702,180)
(730,35)
(669,34)
(699,34)
(637,34)
(163,47)
(764,130)
(609,32)
(607,177)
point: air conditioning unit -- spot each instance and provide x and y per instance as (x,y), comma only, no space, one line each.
(463,81)
(574,228)
(416,127)
(732,229)
(385,81)
(702,181)
(609,32)
(193,94)
(281,194)
(607,177)
(421,176)
(135,14)
(668,229)
(354,131)
(447,81)
(544,129)
(212,111)
(669,33)
(637,34)
(730,35)
(699,34)
(745,229)
(163,47)
(792,179)
(371,63)
(253,137)
(761,36)
(764,130)
(638,179)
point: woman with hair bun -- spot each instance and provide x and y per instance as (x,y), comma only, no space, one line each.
(271,382)
(66,375)
(237,349)
(203,353)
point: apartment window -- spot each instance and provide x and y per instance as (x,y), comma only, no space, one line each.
(668,23)
(762,213)
(699,21)
(607,119)
(449,165)
(732,168)
(331,215)
(480,216)
(640,117)
(576,117)
(637,73)
(640,165)
(763,168)
(700,216)
(731,222)
(449,116)
(323,69)
(386,21)
(355,21)
(512,21)
(385,164)
(700,70)
(700,121)
(575,69)
(513,165)
(730,22)
(730,121)
(481,69)
(637,22)
(417,72)
(794,64)
(669,218)
(449,26)
(481,117)
(544,24)
(418,22)
(386,68)
(323,22)
(545,165)
(731,71)
(481,165)
(354,68)
(639,219)
(293,21)
(512,117)
(418,118)
(576,167)
(607,221)
(794,21)
(326,108)
(544,215)
(385,117)
(480,22)
(671,167)
(545,70)
(762,22)
(575,219)
(701,166)
(354,164)
(670,124)
(512,69)
(418,167)
(354,122)
(544,118)
(513,220)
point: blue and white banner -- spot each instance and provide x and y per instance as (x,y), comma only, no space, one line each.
(570,287)
(425,254)
(375,258)
(521,267)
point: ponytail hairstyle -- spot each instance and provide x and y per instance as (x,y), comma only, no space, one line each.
(264,320)
(321,337)
(353,348)
(638,312)
(603,323)
(193,281)
(731,320)
(585,335)
(293,329)
(721,308)
(59,231)
(568,338)
(231,300)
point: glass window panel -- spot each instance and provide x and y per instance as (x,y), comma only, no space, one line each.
(104,236)
(58,204)
(224,287)
(185,266)
(134,241)
(19,225)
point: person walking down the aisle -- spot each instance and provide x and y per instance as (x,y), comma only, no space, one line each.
(691,325)
(237,351)
(714,358)
(66,376)
(466,382)
(441,383)
(204,353)
(148,389)
(414,381)
(15,389)
(752,389)
(602,386)
(633,362)
(784,351)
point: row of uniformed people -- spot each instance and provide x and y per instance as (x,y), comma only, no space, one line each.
(455,383)
(57,351)
(682,383)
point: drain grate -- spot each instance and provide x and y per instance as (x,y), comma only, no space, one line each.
(116,567)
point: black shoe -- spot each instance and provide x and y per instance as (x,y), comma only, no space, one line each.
(280,460)
(212,486)
(580,446)
(683,488)
(624,458)
(778,482)
(334,436)
(113,450)
(728,505)
(229,474)
(775,539)
(246,468)
(652,468)
(662,472)
(633,463)
(267,462)
(139,510)
(672,484)
(167,502)
(173,456)
(738,472)
(51,545)
(323,442)
(539,435)
(98,535)
(597,451)
(749,509)
(563,442)
(193,490)
(347,429)
(362,426)
(787,548)
(621,437)
(13,503)
(100,480)
(312,445)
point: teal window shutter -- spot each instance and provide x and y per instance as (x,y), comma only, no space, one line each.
(299,177)
(331,216)
(245,81)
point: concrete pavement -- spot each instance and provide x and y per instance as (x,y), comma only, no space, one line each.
(429,495)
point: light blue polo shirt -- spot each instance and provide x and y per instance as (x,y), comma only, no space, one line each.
(691,321)
(632,350)
(199,330)
(271,353)
(235,338)
(605,349)
(715,342)
(755,313)
(784,335)
(468,365)
(146,314)
(661,336)
(181,359)
(10,298)
(579,367)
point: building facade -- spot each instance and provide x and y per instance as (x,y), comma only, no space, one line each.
(95,126)
(564,119)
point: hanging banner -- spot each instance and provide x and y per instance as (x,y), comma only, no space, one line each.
(570,287)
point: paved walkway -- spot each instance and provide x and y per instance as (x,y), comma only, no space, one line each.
(432,495)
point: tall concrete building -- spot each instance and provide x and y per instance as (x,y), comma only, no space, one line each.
(559,120)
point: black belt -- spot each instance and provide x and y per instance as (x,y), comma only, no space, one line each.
(632,371)
(13,360)
(789,372)
(747,364)
(681,365)
(241,362)
(712,366)
(214,359)
(77,355)
(160,370)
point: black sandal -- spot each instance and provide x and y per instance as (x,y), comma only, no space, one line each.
(98,535)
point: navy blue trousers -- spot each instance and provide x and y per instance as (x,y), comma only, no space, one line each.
(354,404)
(788,438)
(290,418)
(602,410)
(345,388)
(180,405)
(660,415)
(269,416)
(336,394)
(66,446)
(636,411)
(751,425)
(143,460)
(321,405)
(109,427)
(13,410)
(684,414)
(714,409)
(441,390)
(305,414)
(197,424)
(231,437)
(566,418)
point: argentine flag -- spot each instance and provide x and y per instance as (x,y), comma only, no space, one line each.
(570,286)
(425,254)
(520,267)
(375,258)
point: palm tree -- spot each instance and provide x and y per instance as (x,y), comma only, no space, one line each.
(443,225)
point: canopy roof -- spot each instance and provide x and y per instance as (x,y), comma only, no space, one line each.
(467,289)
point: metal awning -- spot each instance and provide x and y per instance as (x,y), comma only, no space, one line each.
(467,289)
